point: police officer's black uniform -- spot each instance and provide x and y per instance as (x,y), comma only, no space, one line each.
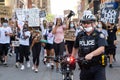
(93,70)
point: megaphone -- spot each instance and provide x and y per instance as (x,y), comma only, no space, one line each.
(70,14)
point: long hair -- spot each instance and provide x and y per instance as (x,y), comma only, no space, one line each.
(103,25)
(73,23)
(57,21)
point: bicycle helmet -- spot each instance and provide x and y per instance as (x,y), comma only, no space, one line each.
(88,17)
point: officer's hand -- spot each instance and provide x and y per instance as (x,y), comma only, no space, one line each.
(89,56)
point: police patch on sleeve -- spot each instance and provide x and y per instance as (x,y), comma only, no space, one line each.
(102,35)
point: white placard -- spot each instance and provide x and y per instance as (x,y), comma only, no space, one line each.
(20,14)
(15,43)
(33,19)
(30,15)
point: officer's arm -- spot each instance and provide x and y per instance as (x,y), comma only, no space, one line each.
(74,52)
(98,51)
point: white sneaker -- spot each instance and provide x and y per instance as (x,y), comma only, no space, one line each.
(36,70)
(5,63)
(48,64)
(28,64)
(52,63)
(33,68)
(22,67)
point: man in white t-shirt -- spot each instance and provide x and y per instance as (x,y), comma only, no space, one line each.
(5,34)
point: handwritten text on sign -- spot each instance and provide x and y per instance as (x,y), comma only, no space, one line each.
(69,35)
(108,15)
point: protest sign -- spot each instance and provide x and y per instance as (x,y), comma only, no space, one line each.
(42,14)
(15,43)
(20,13)
(30,15)
(69,35)
(33,18)
(5,11)
(109,15)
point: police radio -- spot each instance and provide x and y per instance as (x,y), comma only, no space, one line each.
(103,60)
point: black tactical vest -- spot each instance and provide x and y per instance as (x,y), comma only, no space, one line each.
(87,43)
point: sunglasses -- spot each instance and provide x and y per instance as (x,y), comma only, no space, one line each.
(87,22)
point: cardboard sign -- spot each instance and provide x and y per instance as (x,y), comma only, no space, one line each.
(66,12)
(5,11)
(75,19)
(69,35)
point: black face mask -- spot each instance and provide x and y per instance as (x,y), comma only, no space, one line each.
(108,26)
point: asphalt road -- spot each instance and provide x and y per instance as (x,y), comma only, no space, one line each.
(10,72)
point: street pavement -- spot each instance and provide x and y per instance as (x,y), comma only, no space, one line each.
(10,72)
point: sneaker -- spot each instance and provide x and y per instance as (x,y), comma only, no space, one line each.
(33,68)
(110,66)
(48,64)
(52,66)
(5,63)
(44,61)
(17,65)
(28,64)
(10,54)
(36,70)
(22,67)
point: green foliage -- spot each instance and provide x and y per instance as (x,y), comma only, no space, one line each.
(49,17)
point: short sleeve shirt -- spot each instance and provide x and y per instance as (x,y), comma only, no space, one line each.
(59,36)
(95,40)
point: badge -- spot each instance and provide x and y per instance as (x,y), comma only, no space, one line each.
(94,34)
(102,35)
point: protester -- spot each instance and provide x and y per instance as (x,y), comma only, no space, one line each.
(49,45)
(5,35)
(58,32)
(36,48)
(111,42)
(69,43)
(24,46)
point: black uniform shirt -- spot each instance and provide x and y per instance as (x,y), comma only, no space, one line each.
(87,44)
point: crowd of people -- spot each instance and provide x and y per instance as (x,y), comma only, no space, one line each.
(92,38)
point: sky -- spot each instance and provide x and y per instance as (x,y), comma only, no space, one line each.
(58,6)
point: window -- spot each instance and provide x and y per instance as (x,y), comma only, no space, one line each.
(2,0)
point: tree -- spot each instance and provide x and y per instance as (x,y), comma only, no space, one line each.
(49,17)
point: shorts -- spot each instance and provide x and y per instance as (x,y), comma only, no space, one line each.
(110,49)
(49,46)
(4,49)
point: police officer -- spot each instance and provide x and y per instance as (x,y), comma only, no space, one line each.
(90,45)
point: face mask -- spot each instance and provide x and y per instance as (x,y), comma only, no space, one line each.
(71,25)
(5,24)
(99,25)
(88,29)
